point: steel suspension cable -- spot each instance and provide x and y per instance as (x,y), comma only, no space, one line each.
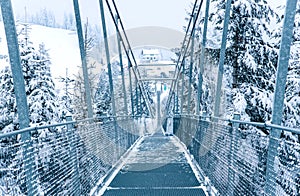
(183,51)
(123,29)
(185,36)
(129,52)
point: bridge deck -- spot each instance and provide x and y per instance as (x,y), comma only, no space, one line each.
(158,165)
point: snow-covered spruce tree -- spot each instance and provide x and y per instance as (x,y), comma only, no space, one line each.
(102,98)
(10,183)
(149,95)
(292,99)
(118,88)
(139,103)
(8,108)
(79,98)
(185,85)
(66,97)
(252,60)
(249,77)
(43,109)
(79,102)
(42,98)
(211,58)
(69,22)
(209,78)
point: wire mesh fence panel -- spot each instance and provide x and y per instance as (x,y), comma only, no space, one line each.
(249,161)
(64,160)
(45,161)
(11,173)
(287,165)
(103,144)
(236,159)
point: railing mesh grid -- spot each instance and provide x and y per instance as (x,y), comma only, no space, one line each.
(66,160)
(235,159)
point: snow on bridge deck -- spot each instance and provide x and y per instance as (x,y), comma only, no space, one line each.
(157,165)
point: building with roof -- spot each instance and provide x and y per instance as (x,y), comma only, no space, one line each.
(150,55)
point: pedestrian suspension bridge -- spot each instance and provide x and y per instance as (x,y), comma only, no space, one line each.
(169,151)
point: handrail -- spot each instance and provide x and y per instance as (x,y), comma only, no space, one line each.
(35,128)
(29,129)
(257,124)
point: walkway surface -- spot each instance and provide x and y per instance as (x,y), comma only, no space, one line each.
(158,165)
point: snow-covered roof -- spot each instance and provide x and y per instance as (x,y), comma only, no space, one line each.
(150,51)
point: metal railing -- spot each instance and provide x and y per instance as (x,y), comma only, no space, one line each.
(64,159)
(236,155)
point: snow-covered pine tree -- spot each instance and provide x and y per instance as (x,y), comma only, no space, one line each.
(211,58)
(66,97)
(118,88)
(8,108)
(10,183)
(249,79)
(79,98)
(69,22)
(251,58)
(40,89)
(43,17)
(292,102)
(102,103)
(42,98)
(139,102)
(43,110)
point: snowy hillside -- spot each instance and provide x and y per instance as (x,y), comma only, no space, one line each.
(62,46)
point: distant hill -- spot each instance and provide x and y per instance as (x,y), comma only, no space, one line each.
(62,47)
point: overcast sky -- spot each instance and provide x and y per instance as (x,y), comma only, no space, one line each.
(134,13)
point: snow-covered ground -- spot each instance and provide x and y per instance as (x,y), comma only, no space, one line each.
(62,47)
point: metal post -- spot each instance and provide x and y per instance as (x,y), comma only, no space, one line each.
(174,102)
(158,107)
(15,63)
(233,153)
(182,87)
(122,69)
(222,59)
(136,97)
(202,58)
(111,85)
(130,88)
(83,59)
(19,89)
(74,159)
(110,79)
(278,103)
(177,99)
(141,103)
(191,68)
